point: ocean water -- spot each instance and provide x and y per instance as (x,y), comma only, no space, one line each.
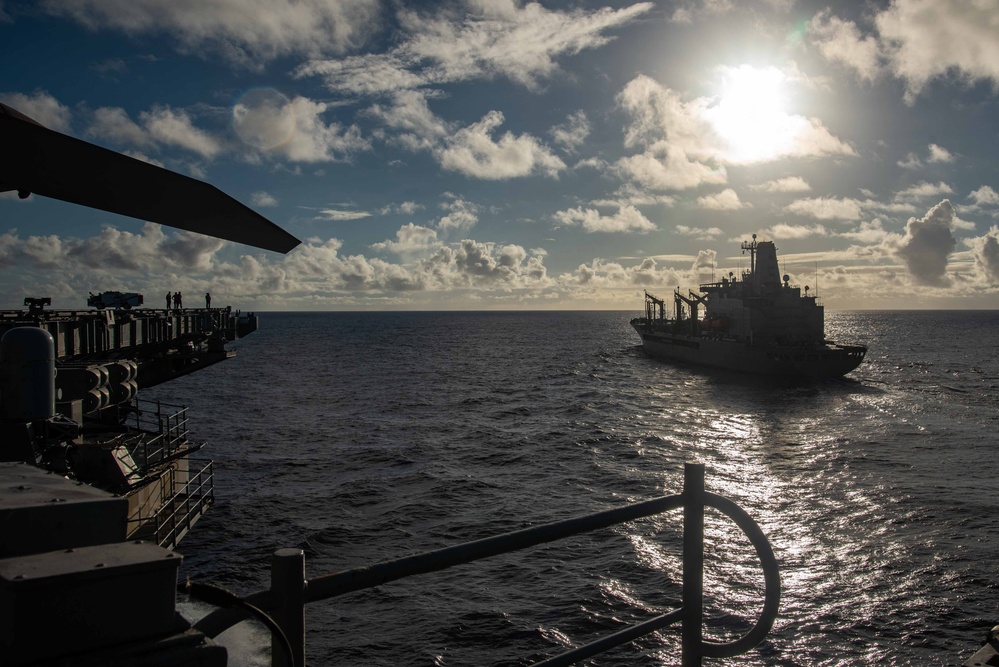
(361,437)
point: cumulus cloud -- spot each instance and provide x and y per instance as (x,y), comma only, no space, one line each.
(246,34)
(726,200)
(916,41)
(473,152)
(490,39)
(984,196)
(461,214)
(935,154)
(263,199)
(42,107)
(927,245)
(826,208)
(573,132)
(113,124)
(842,42)
(410,115)
(923,190)
(940,154)
(174,128)
(986,252)
(114,250)
(408,239)
(314,140)
(684,144)
(601,273)
(626,219)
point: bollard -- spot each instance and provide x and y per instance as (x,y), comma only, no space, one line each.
(288,590)
(693,563)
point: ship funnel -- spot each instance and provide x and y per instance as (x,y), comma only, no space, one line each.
(767,274)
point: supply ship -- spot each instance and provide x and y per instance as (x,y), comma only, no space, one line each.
(757,324)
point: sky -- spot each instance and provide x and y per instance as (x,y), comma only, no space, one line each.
(498,154)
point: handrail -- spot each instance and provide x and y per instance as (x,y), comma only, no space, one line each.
(290,590)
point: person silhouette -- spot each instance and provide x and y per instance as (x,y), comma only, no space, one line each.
(208,300)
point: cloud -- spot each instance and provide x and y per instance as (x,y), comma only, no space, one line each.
(410,114)
(248,34)
(573,132)
(986,252)
(409,238)
(627,219)
(869,233)
(826,208)
(927,244)
(489,39)
(473,152)
(936,154)
(916,41)
(113,124)
(984,196)
(685,144)
(339,215)
(313,140)
(726,200)
(841,41)
(698,234)
(601,273)
(462,215)
(42,107)
(114,251)
(405,208)
(175,128)
(788,184)
(940,154)
(263,199)
(922,190)
(783,230)
(926,39)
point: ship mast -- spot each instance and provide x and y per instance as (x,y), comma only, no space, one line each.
(751,247)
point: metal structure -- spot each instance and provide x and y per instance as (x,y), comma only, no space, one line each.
(45,162)
(290,590)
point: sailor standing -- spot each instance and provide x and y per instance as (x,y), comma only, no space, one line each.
(208,301)
(168,300)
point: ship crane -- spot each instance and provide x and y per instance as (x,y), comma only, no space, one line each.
(692,301)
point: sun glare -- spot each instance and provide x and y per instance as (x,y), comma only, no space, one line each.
(751,116)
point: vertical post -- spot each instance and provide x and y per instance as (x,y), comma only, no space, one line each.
(288,589)
(693,563)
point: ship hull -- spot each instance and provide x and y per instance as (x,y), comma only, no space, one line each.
(818,361)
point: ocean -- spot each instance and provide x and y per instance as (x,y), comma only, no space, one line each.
(361,437)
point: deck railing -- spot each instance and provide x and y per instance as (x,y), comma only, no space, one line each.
(184,505)
(166,426)
(290,590)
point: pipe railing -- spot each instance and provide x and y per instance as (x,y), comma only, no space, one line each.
(290,590)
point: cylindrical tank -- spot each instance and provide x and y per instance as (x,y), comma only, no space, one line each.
(27,375)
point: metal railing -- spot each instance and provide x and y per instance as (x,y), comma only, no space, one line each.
(290,590)
(186,503)
(166,427)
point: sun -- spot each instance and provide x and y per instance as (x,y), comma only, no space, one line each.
(751,117)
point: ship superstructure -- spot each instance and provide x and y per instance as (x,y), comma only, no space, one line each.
(756,323)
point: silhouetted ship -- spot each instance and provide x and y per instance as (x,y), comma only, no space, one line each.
(759,324)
